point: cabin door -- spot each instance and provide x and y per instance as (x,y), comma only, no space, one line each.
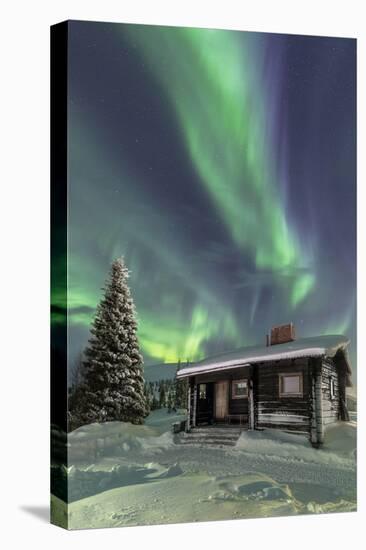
(221,399)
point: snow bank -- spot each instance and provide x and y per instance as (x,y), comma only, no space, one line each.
(161,420)
(194,497)
(118,438)
(124,474)
(340,438)
(339,446)
(159,443)
(97,478)
(109,429)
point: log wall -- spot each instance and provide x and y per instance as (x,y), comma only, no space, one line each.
(190,403)
(331,409)
(238,406)
(273,411)
(235,406)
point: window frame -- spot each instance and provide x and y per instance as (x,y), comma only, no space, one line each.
(236,381)
(199,391)
(289,375)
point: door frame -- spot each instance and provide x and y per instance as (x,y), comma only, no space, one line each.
(225,382)
(207,411)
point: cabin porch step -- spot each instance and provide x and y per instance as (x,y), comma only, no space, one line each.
(216,429)
(206,442)
(209,436)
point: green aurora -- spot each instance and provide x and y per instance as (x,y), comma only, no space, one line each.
(183,168)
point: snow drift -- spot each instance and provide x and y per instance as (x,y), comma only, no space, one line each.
(339,445)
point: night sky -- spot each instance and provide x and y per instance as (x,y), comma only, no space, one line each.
(221,165)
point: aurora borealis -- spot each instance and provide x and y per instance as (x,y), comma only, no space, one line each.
(221,165)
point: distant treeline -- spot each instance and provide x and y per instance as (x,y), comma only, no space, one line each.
(171,394)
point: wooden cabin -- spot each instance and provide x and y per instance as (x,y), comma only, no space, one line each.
(292,385)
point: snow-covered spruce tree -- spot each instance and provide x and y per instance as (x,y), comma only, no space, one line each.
(162,395)
(113,384)
(181,389)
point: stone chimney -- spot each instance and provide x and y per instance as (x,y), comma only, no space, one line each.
(281,334)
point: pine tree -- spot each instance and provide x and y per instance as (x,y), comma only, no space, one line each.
(76,375)
(181,388)
(154,404)
(169,401)
(177,388)
(148,396)
(162,396)
(113,384)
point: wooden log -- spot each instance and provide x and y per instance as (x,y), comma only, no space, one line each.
(194,414)
(270,405)
(278,418)
(313,431)
(319,407)
(298,428)
(251,406)
(188,425)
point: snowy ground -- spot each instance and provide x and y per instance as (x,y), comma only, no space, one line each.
(121,474)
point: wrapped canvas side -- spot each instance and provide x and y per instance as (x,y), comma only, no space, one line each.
(59,488)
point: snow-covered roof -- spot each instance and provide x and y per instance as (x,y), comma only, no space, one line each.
(318,346)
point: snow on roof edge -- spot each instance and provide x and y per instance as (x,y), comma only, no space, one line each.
(315,352)
(334,343)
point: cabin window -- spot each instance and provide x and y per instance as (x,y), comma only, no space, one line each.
(291,385)
(239,389)
(331,387)
(202,393)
